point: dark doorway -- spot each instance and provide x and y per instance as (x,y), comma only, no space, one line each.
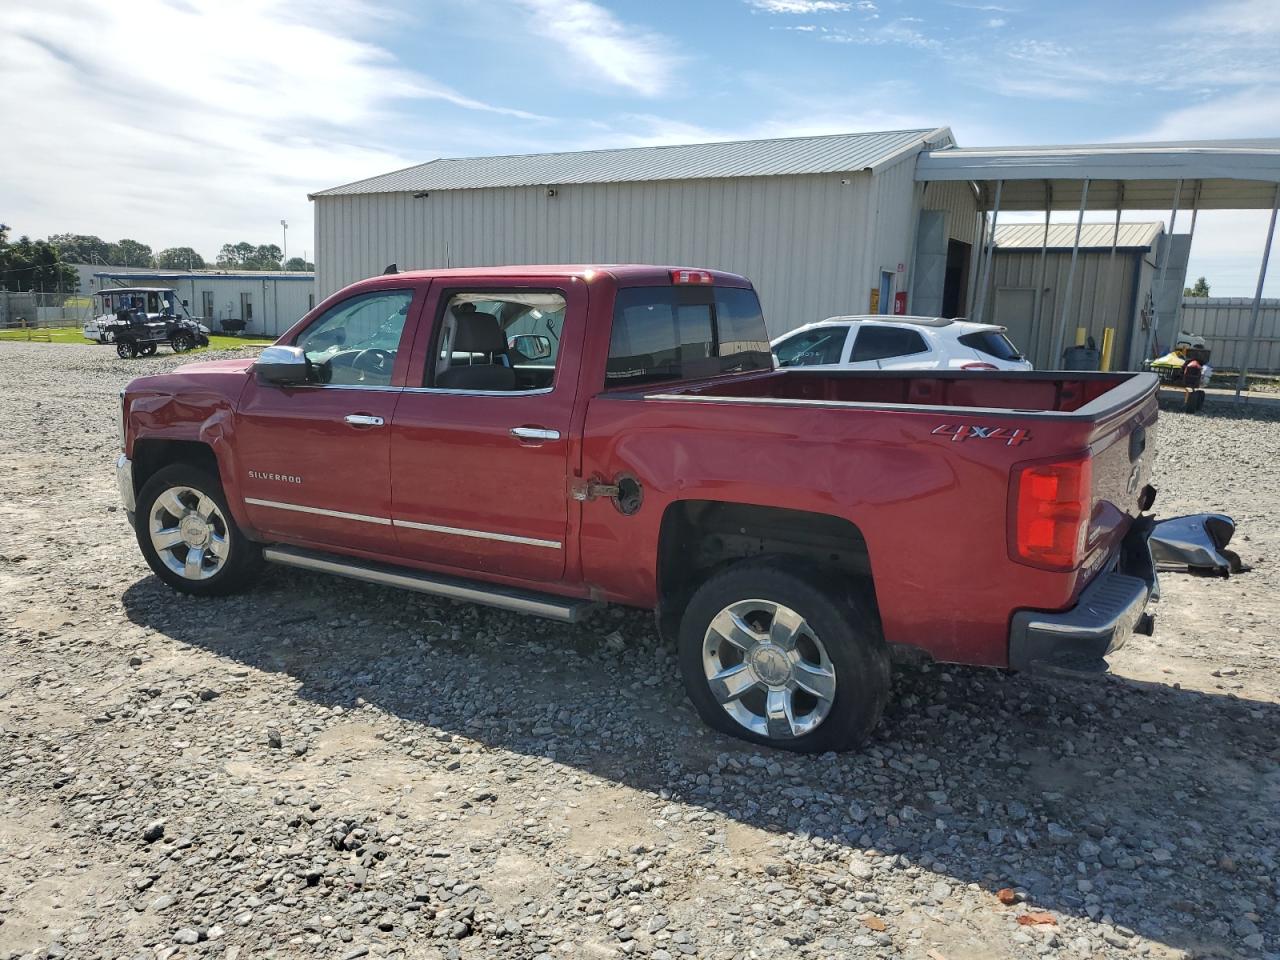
(955,287)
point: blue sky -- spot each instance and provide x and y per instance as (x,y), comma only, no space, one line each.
(225,113)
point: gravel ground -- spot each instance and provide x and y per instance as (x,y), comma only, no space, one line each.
(324,769)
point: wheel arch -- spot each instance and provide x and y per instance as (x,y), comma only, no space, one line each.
(697,538)
(152,453)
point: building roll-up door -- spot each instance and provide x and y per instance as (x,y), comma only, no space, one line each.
(930,265)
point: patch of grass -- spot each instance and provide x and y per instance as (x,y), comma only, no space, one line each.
(217,341)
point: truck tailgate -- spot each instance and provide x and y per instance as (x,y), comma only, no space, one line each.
(1123,449)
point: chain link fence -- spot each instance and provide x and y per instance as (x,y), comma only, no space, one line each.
(43,310)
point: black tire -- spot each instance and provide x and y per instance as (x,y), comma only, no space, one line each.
(181,342)
(835,611)
(148,349)
(126,349)
(244,557)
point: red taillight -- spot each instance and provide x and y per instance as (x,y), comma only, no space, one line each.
(691,276)
(1051,506)
(979,366)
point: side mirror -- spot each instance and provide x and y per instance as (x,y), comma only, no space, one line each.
(282,365)
(532,346)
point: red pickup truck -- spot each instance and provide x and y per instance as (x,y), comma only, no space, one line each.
(551,438)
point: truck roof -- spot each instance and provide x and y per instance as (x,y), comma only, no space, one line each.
(642,273)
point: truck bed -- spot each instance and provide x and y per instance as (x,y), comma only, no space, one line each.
(920,462)
(1084,395)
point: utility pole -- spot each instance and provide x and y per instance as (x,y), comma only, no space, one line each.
(284,250)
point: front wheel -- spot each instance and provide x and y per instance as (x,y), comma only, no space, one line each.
(148,349)
(794,662)
(126,349)
(188,536)
(181,342)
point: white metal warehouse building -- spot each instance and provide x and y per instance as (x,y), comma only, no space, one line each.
(894,221)
(817,223)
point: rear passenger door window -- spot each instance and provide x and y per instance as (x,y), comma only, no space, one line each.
(821,347)
(883,344)
(506,342)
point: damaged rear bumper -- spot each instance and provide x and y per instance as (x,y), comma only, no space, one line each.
(1109,610)
(1113,606)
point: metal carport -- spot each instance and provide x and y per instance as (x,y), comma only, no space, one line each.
(1174,176)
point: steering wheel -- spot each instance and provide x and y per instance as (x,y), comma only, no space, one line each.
(373,360)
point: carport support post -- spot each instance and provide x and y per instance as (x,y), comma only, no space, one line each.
(1164,270)
(980,307)
(1111,261)
(1038,327)
(1257,298)
(1060,332)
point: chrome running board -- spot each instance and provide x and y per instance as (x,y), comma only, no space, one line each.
(564,609)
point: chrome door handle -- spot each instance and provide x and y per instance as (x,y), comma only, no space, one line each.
(534,433)
(363,420)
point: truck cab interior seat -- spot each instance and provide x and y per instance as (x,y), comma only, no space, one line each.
(477,333)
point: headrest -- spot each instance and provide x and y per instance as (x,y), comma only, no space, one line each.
(478,333)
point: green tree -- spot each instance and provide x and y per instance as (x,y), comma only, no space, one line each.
(129,253)
(297,263)
(179,258)
(81,248)
(33,265)
(245,256)
(1201,289)
(233,256)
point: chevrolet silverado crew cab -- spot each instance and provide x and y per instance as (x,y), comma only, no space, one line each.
(548,439)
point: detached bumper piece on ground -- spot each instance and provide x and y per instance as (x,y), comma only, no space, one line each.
(1197,542)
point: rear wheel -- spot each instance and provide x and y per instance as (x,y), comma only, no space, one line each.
(792,661)
(182,342)
(126,349)
(188,536)
(147,349)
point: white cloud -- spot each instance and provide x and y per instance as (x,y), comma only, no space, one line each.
(801,6)
(1248,113)
(898,33)
(619,53)
(996,23)
(196,123)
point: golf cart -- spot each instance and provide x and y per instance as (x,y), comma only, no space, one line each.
(1186,366)
(119,306)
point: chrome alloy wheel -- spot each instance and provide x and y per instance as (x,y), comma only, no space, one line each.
(189,533)
(768,669)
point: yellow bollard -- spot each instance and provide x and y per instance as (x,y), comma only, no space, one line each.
(1108,341)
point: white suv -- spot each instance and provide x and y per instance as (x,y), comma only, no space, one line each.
(898,343)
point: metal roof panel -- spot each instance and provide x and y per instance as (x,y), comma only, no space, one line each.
(837,153)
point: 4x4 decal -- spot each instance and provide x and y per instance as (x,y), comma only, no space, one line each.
(959,432)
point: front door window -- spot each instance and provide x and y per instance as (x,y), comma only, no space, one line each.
(355,342)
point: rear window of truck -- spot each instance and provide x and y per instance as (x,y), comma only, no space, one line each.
(683,333)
